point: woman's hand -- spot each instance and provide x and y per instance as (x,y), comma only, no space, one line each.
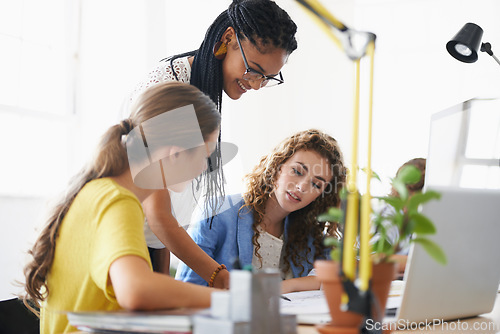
(221,281)
(306,283)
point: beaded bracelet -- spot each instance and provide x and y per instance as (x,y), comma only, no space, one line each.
(219,268)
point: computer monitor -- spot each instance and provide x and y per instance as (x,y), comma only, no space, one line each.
(464,146)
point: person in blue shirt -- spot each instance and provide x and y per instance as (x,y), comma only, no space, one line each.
(273,223)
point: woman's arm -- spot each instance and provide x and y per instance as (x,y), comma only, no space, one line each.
(136,287)
(177,240)
(305,283)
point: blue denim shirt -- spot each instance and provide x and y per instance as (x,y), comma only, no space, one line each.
(230,238)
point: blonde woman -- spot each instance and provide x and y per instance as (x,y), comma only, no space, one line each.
(92,254)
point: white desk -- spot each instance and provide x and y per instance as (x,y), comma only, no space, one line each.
(484,324)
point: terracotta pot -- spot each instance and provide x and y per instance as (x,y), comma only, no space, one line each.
(346,321)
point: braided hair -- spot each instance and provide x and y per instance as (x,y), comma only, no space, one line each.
(258,20)
(261,21)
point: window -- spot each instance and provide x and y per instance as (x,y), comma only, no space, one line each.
(37,62)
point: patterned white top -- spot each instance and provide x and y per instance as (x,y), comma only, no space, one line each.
(270,250)
(161,73)
(184,203)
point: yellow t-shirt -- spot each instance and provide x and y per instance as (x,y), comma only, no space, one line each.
(104,223)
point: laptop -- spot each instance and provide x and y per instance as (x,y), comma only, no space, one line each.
(468,228)
(464,144)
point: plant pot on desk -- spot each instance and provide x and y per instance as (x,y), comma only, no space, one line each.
(347,322)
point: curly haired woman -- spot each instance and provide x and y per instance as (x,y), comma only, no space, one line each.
(273,224)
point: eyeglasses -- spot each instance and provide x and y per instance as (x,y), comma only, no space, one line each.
(253,75)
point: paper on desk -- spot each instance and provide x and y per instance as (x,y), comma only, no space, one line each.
(309,302)
(309,306)
(393,302)
(395,294)
(397,288)
(304,302)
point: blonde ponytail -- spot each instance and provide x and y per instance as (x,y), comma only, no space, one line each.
(110,160)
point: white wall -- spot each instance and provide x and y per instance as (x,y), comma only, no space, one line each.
(19,216)
(414,77)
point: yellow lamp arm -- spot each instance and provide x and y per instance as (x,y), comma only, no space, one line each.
(354,43)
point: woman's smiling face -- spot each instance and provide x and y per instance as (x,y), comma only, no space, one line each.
(268,62)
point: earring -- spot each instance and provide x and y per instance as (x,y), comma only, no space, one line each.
(220,50)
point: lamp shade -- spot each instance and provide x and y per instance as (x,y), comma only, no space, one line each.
(465,44)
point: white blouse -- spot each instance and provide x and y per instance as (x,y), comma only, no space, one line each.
(270,250)
(184,203)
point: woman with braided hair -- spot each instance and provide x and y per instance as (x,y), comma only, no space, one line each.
(92,254)
(244,49)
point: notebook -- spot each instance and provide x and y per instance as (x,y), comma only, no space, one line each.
(468,230)
(177,321)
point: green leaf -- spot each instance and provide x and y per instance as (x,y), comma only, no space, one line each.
(331,242)
(400,187)
(388,247)
(383,246)
(334,243)
(335,254)
(343,193)
(397,219)
(325,217)
(420,198)
(396,202)
(409,175)
(432,249)
(407,230)
(377,222)
(333,215)
(336,212)
(423,225)
(374,175)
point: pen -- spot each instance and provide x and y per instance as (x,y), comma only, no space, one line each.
(285,298)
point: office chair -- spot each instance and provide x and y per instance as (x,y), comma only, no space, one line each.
(15,318)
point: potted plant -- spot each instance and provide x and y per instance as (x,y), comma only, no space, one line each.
(400,223)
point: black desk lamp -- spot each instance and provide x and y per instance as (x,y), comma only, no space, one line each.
(465,44)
